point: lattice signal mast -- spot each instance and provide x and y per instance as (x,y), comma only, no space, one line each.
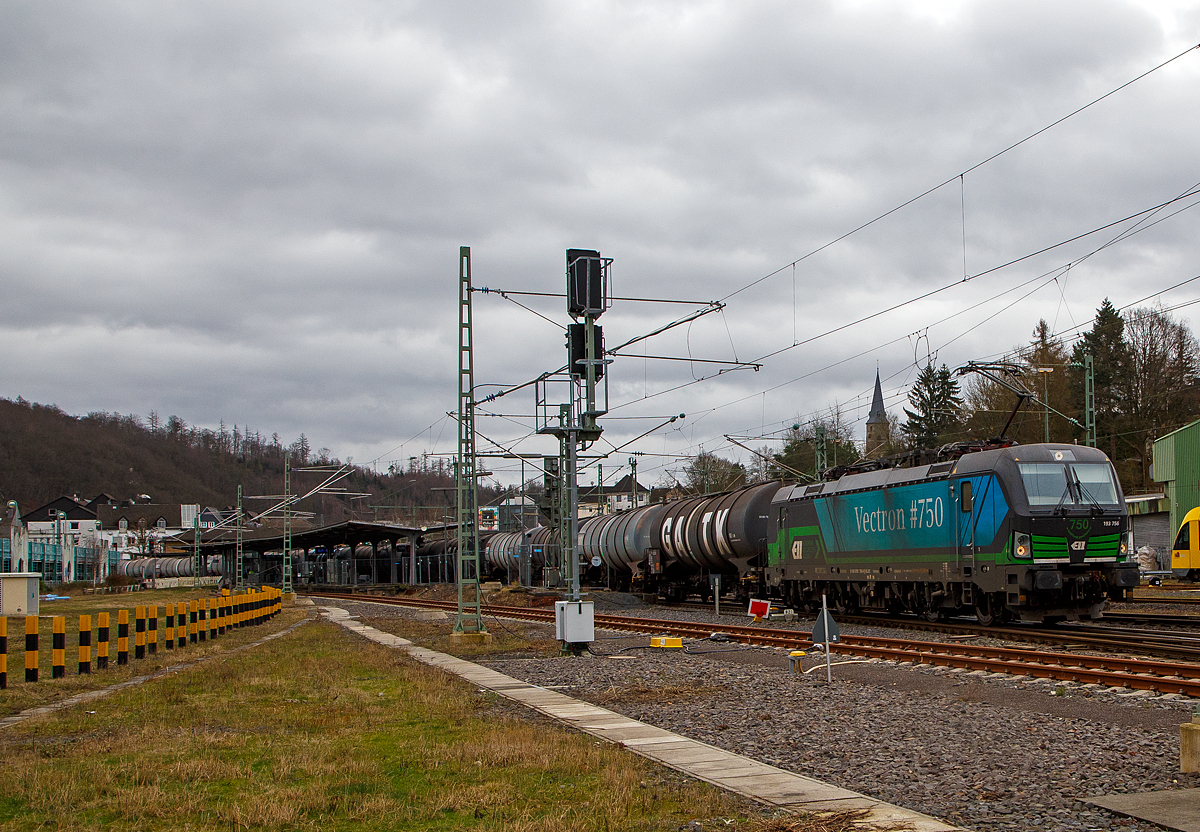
(470,615)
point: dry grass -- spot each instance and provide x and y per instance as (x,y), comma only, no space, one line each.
(509,638)
(318,730)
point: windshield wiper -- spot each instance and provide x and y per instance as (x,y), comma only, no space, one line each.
(1058,508)
(1085,494)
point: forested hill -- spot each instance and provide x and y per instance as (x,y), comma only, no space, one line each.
(46,453)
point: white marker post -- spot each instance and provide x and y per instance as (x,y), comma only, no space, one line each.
(826,622)
(825,631)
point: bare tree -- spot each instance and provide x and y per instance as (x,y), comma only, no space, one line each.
(708,473)
(1155,391)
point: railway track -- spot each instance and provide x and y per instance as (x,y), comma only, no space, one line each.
(1130,673)
(1098,636)
(1160,599)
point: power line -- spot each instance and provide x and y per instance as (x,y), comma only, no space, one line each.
(974,167)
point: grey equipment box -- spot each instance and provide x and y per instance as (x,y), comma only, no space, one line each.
(574,621)
(19,593)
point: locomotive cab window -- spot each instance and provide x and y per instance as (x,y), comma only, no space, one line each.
(1184,541)
(965,499)
(1094,480)
(1045,482)
(1072,483)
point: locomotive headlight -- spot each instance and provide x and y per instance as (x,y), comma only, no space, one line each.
(1126,543)
(1022,545)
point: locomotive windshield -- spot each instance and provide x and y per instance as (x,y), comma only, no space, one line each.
(1068,484)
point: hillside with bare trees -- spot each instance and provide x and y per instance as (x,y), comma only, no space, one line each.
(46,453)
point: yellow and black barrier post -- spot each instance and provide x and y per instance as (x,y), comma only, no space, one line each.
(221,615)
(122,637)
(169,623)
(181,625)
(236,602)
(85,644)
(139,632)
(31,648)
(152,635)
(102,641)
(58,647)
(211,603)
(202,619)
(3,652)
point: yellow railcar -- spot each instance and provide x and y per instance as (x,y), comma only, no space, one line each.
(1185,553)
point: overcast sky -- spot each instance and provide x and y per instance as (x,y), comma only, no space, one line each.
(252,212)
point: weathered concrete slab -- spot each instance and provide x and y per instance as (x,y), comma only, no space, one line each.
(1175,809)
(691,753)
(638,743)
(617,722)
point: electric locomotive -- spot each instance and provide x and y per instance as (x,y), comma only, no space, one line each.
(1029,532)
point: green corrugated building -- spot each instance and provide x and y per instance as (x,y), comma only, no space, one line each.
(1177,467)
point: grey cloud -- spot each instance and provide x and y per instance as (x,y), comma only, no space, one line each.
(252,213)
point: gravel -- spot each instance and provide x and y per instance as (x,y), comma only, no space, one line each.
(984,751)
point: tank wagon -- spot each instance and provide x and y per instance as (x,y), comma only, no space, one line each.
(166,567)
(1031,533)
(501,551)
(670,547)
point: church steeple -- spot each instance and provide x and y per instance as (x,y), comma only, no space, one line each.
(877,423)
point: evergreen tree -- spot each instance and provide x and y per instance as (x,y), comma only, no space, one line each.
(1110,361)
(937,408)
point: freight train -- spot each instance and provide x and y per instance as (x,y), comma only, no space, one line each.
(1034,533)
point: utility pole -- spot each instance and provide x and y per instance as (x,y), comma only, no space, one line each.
(1089,399)
(600,489)
(633,482)
(241,580)
(469,623)
(1045,372)
(197,558)
(286,577)
(822,459)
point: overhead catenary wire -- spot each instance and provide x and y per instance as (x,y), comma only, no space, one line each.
(967,277)
(972,168)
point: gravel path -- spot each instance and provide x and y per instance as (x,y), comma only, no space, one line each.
(984,751)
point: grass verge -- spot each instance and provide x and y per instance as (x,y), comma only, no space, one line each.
(321,730)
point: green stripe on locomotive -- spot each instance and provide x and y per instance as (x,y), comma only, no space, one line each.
(1054,546)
